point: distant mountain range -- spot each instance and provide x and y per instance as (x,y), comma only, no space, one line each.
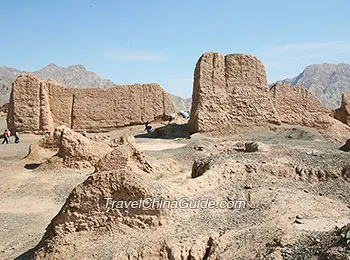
(181,103)
(325,81)
(75,76)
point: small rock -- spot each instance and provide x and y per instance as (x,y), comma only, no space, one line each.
(200,166)
(251,147)
(248,187)
(306,191)
(299,217)
(317,240)
(298,221)
(199,148)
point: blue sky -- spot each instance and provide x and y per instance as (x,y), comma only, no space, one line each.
(161,41)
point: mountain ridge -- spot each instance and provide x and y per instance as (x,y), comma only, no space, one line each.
(73,76)
(326,81)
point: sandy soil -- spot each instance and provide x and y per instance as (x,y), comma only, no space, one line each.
(30,197)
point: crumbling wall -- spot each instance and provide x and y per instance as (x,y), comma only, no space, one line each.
(296,105)
(343,113)
(24,112)
(230,91)
(37,105)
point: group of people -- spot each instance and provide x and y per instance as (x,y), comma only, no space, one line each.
(7,135)
(183,114)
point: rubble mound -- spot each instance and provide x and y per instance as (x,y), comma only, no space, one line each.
(78,151)
(90,208)
(39,105)
(343,113)
(228,92)
(125,154)
(297,106)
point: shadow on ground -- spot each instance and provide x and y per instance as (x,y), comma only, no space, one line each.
(26,256)
(170,131)
(31,166)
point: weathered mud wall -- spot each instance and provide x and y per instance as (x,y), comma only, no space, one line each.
(37,105)
(297,106)
(343,113)
(228,92)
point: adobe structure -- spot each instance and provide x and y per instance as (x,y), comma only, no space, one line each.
(343,113)
(297,106)
(37,105)
(228,92)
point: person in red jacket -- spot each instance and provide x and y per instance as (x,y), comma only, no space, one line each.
(6,137)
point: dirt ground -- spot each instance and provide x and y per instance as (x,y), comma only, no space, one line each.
(290,202)
(30,197)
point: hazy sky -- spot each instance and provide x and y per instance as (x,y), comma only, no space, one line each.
(161,41)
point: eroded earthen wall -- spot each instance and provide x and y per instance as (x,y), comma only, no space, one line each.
(41,105)
(343,113)
(228,92)
(296,105)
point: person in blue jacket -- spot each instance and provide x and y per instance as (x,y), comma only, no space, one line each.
(148,128)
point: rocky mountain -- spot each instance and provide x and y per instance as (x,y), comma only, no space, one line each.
(75,76)
(325,81)
(5,89)
(181,103)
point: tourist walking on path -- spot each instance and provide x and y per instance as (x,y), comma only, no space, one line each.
(6,138)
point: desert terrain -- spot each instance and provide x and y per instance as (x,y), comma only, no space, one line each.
(272,162)
(297,198)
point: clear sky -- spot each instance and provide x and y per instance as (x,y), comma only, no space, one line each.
(131,41)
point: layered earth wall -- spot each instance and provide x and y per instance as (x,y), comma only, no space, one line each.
(37,105)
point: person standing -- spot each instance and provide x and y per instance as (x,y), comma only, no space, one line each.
(16,138)
(8,135)
(6,139)
(171,117)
